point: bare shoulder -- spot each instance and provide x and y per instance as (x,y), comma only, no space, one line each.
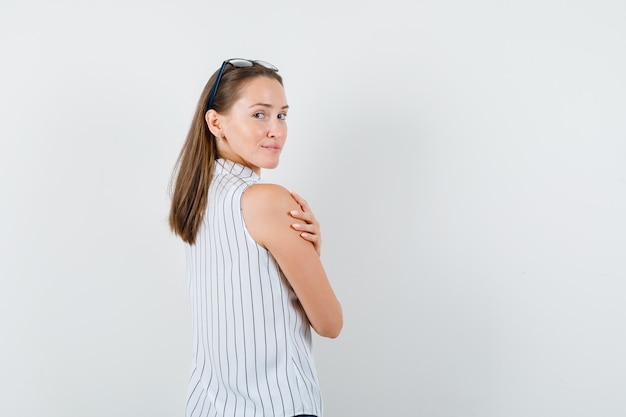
(263,195)
(266,210)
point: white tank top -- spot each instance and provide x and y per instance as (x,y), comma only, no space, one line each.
(251,338)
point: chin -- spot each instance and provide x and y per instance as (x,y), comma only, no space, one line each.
(271,164)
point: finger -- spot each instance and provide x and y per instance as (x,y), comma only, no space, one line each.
(307,217)
(301,201)
(314,240)
(309,237)
(309,228)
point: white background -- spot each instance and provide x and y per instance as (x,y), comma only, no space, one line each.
(466,160)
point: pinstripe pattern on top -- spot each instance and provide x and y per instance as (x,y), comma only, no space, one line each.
(252,340)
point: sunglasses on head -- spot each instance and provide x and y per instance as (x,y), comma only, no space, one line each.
(237,63)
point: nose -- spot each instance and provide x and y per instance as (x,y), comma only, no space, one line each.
(277,129)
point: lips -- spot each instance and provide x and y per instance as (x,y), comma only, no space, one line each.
(274,148)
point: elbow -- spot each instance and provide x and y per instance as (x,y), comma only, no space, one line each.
(330,330)
(333,333)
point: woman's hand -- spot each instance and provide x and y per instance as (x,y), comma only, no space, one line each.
(310,230)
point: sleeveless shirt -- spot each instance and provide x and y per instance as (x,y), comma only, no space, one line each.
(251,338)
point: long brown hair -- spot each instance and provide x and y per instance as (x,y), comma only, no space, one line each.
(194,168)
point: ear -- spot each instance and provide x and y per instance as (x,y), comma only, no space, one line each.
(213,121)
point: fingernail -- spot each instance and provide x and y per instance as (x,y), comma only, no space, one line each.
(294,213)
(296,226)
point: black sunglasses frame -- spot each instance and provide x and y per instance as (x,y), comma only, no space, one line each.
(237,63)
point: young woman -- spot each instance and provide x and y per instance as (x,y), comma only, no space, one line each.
(256,282)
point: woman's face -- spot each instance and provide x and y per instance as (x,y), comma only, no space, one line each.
(254,130)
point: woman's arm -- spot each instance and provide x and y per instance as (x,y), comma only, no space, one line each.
(266,211)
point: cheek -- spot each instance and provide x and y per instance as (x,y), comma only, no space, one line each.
(283,129)
(241,132)
(246,136)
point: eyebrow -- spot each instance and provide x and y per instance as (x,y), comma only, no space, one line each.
(286,106)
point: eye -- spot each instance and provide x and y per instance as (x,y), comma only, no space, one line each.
(259,115)
(282,116)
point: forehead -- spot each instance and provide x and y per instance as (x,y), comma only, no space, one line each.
(263,90)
